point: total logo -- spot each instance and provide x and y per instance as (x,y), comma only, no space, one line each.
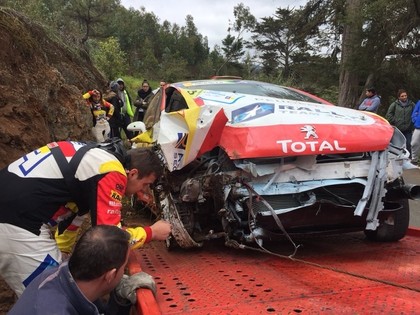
(288,145)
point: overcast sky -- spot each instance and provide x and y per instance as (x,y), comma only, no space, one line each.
(211,17)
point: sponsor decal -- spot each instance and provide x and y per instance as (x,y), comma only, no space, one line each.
(251,112)
(220,97)
(193,93)
(288,146)
(309,109)
(177,160)
(52,145)
(113,203)
(329,111)
(113,212)
(310,131)
(119,187)
(116,196)
(182,141)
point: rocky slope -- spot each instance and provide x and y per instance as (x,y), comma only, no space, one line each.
(41,83)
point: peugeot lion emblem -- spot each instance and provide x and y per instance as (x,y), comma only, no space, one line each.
(310,131)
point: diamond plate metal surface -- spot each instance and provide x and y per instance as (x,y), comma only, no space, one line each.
(343,274)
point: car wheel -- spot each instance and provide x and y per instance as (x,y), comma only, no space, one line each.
(393,227)
(171,243)
(174,213)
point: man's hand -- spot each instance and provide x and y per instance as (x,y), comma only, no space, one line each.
(128,285)
(160,230)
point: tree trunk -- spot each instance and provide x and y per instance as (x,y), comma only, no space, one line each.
(417,6)
(349,78)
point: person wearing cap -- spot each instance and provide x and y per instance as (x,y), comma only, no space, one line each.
(101,111)
(93,176)
(371,102)
(127,113)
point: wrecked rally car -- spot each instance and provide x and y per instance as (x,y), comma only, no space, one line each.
(249,161)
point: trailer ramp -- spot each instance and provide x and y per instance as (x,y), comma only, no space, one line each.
(340,274)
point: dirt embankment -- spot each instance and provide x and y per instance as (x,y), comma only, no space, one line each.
(41,83)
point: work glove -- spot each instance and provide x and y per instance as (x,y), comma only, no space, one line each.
(126,289)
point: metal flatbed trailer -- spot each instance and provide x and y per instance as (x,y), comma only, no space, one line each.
(340,274)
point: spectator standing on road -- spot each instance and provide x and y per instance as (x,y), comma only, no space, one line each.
(116,122)
(399,115)
(143,95)
(415,140)
(101,111)
(93,176)
(371,102)
(95,269)
(127,110)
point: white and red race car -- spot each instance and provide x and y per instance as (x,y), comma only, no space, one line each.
(249,161)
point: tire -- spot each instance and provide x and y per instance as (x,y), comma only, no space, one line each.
(171,243)
(393,227)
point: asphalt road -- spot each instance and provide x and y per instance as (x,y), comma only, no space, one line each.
(413,177)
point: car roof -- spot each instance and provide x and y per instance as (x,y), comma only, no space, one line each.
(251,87)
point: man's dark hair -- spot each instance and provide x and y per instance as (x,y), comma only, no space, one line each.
(146,161)
(371,89)
(401,91)
(100,249)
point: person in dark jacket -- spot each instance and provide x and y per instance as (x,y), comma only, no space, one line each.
(116,121)
(143,96)
(399,115)
(95,269)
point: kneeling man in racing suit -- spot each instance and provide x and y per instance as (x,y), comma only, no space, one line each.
(93,177)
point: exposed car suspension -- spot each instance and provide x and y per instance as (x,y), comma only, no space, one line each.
(253,227)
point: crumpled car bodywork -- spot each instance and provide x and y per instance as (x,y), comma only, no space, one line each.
(250,161)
